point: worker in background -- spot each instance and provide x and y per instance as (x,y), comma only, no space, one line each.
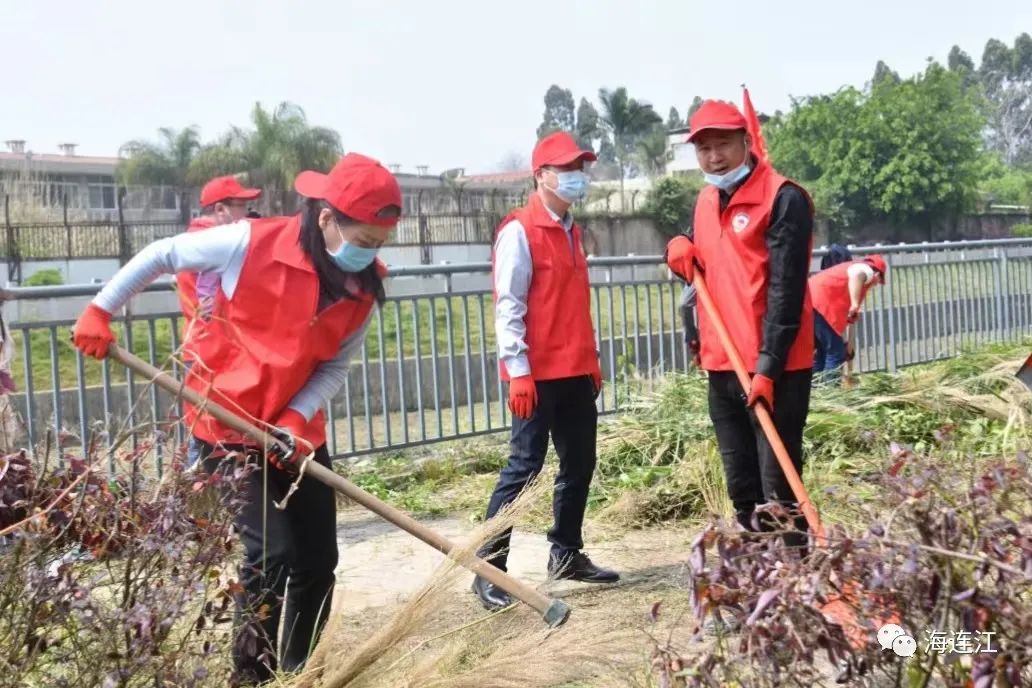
(223,201)
(752,237)
(295,299)
(689,309)
(838,294)
(547,354)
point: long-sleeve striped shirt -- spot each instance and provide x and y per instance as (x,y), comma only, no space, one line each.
(223,253)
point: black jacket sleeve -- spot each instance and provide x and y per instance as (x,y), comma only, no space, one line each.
(788,242)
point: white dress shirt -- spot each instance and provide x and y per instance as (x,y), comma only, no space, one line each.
(513,270)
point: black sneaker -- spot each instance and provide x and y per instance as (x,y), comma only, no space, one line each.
(577,566)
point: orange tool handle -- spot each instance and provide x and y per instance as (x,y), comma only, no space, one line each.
(762,412)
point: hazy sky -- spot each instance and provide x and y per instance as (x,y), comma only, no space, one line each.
(445,83)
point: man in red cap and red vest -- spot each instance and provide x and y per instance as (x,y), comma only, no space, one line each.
(547,354)
(838,293)
(752,237)
(223,202)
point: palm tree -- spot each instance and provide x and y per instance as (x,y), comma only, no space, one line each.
(227,155)
(628,120)
(282,145)
(165,162)
(652,152)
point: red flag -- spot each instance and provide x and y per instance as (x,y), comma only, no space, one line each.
(753,126)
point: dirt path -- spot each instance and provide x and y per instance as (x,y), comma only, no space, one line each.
(381,565)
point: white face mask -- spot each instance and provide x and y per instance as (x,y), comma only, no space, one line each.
(729,180)
(571,186)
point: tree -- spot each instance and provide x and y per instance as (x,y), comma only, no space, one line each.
(513,162)
(961,63)
(587,124)
(559,112)
(882,71)
(652,151)
(671,202)
(165,162)
(283,144)
(906,152)
(627,120)
(696,104)
(1004,184)
(228,155)
(1006,78)
(606,151)
(674,119)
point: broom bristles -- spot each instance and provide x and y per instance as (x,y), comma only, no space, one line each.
(415,612)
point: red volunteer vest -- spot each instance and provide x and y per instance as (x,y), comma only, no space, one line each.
(186,285)
(829,290)
(263,345)
(560,337)
(731,245)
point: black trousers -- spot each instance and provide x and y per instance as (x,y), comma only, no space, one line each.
(293,551)
(752,471)
(566,411)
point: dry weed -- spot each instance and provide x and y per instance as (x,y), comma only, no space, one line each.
(413,616)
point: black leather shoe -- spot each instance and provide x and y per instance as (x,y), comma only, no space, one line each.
(576,566)
(491,596)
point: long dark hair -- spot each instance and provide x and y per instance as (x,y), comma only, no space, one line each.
(333,282)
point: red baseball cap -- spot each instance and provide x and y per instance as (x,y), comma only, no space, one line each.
(224,188)
(876,262)
(715,114)
(357,186)
(558,148)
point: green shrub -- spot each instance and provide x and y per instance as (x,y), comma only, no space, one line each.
(48,277)
(671,203)
(1022,230)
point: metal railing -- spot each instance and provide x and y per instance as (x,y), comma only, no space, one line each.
(428,370)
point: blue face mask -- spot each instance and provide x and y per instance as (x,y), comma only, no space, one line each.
(729,180)
(573,185)
(351,258)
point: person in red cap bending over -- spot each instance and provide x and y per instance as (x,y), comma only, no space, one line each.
(547,354)
(838,293)
(752,238)
(296,297)
(223,201)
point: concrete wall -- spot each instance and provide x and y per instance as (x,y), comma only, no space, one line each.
(621,235)
(988,225)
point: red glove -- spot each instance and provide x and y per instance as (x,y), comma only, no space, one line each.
(522,396)
(762,387)
(680,257)
(596,381)
(290,429)
(92,332)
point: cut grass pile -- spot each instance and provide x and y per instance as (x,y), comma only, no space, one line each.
(658,461)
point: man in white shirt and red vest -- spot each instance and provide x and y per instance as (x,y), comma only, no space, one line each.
(838,293)
(752,238)
(547,354)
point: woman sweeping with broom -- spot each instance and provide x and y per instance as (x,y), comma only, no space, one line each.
(295,299)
